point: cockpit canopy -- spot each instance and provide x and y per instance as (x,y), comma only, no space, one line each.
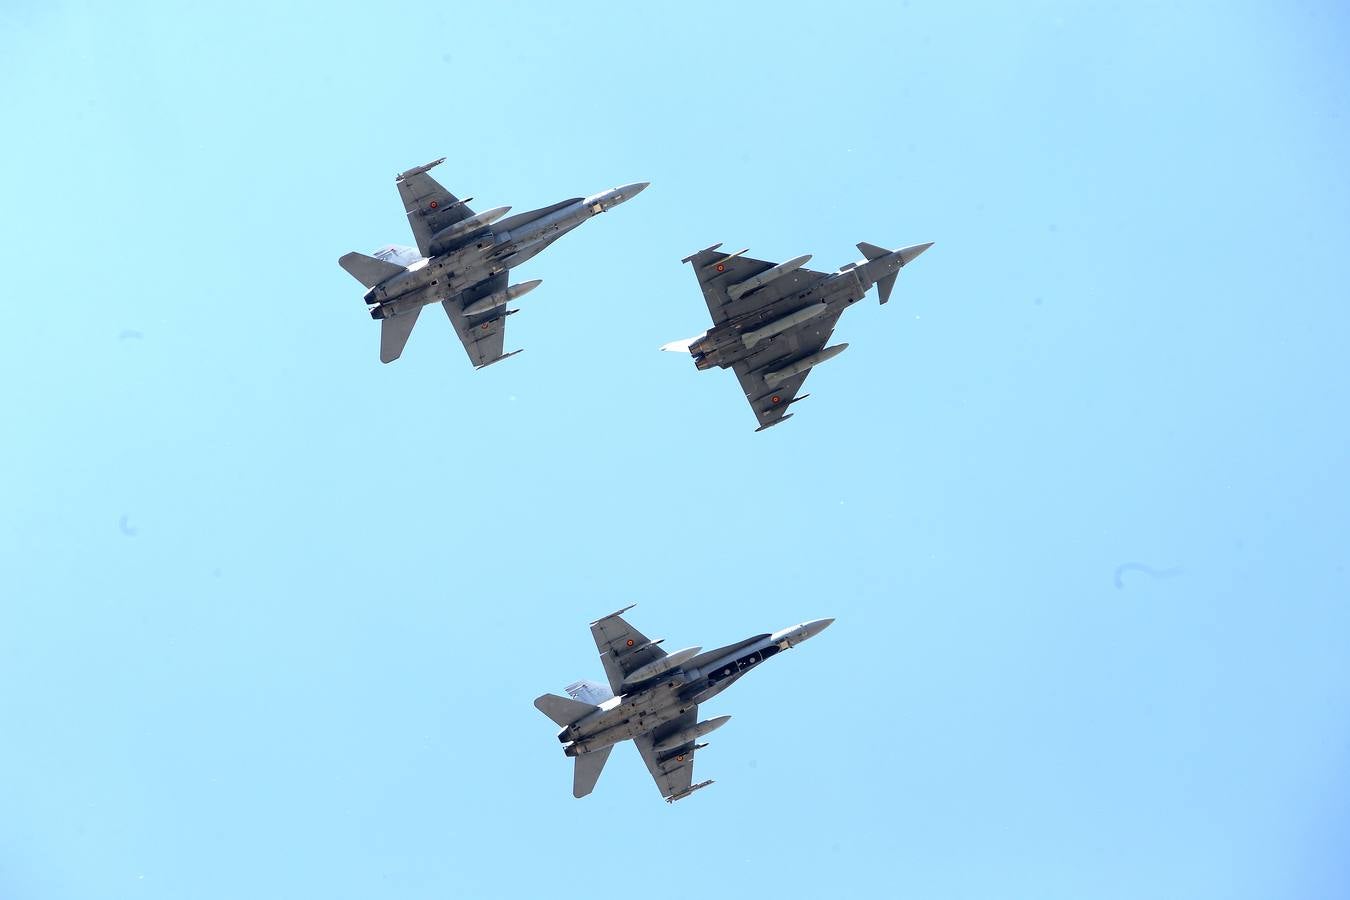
(742,663)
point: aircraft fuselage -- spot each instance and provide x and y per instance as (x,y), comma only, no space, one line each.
(648,705)
(483,255)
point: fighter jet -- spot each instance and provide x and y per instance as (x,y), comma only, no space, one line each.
(771,321)
(461,262)
(653,699)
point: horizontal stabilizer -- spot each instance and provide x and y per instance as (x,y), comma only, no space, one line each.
(562,710)
(587,771)
(367,269)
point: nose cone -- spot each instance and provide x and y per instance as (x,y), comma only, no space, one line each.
(611,198)
(624,193)
(909,254)
(815,627)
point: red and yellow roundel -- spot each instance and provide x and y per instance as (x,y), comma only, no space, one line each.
(630,642)
(680,758)
(721,267)
(434,204)
(775,399)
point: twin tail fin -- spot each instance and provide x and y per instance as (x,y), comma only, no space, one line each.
(564,712)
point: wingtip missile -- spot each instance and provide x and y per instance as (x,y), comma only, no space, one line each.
(493,362)
(418,170)
(687,791)
(617,612)
(779,421)
(704,250)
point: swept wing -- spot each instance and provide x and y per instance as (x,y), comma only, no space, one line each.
(482,334)
(672,769)
(623,649)
(430,207)
(770,401)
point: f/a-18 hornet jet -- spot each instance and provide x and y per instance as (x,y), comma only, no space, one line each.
(461,261)
(771,321)
(653,699)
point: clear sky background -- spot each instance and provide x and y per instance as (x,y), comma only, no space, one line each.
(273,613)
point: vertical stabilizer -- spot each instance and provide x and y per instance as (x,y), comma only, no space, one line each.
(587,771)
(394,334)
(589,692)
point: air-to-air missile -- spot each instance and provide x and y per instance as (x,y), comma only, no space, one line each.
(741,288)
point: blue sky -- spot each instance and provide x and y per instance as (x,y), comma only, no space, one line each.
(308,671)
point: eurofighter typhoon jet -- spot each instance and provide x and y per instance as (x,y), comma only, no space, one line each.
(653,699)
(461,262)
(771,321)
